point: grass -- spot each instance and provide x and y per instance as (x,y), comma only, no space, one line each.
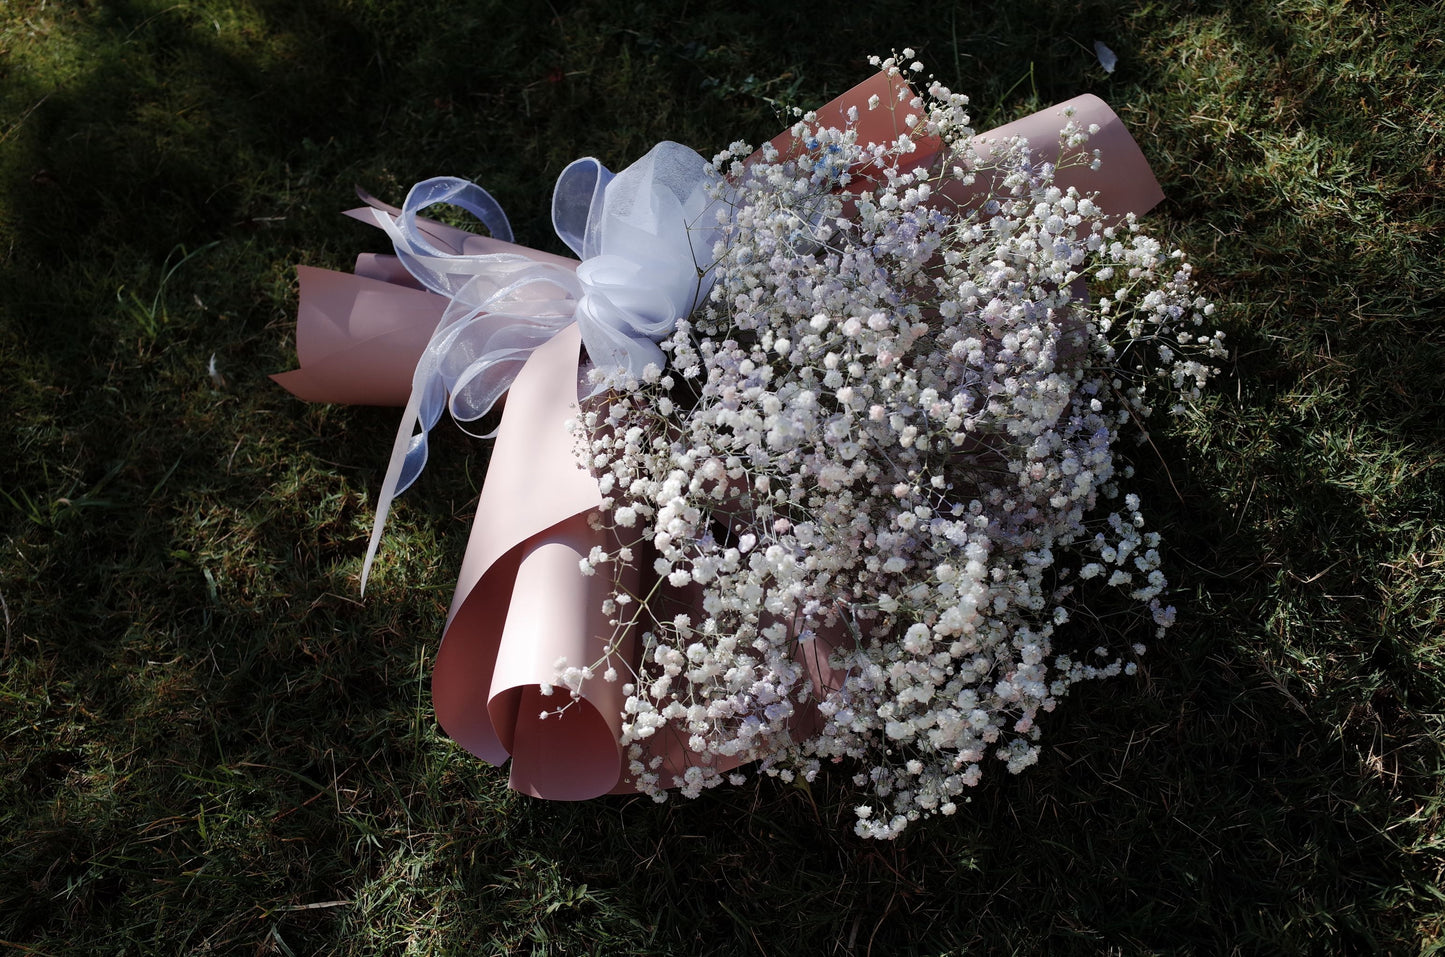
(208,743)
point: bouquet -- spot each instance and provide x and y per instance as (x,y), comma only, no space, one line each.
(840,468)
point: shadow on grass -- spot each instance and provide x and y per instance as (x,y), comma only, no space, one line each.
(211,742)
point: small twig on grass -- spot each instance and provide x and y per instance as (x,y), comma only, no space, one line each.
(15,125)
(6,609)
(23,949)
(1150,440)
(316,906)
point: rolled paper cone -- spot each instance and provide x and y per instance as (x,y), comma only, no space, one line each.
(536,477)
(562,747)
(516,621)
(522,603)
(358,337)
(882,124)
(462,676)
(1124,183)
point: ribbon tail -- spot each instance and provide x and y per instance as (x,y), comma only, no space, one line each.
(406,447)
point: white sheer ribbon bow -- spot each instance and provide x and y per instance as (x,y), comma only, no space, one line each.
(645,237)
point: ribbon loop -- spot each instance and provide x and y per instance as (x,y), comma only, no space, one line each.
(423,259)
(577,201)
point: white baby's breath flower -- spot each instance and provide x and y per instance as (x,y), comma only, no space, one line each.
(889,431)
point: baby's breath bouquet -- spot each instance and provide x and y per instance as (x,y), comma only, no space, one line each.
(878,475)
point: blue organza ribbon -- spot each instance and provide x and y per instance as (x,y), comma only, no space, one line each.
(645,237)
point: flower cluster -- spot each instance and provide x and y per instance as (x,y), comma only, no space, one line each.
(880,467)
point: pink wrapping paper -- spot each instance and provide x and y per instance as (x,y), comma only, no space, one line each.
(522,602)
